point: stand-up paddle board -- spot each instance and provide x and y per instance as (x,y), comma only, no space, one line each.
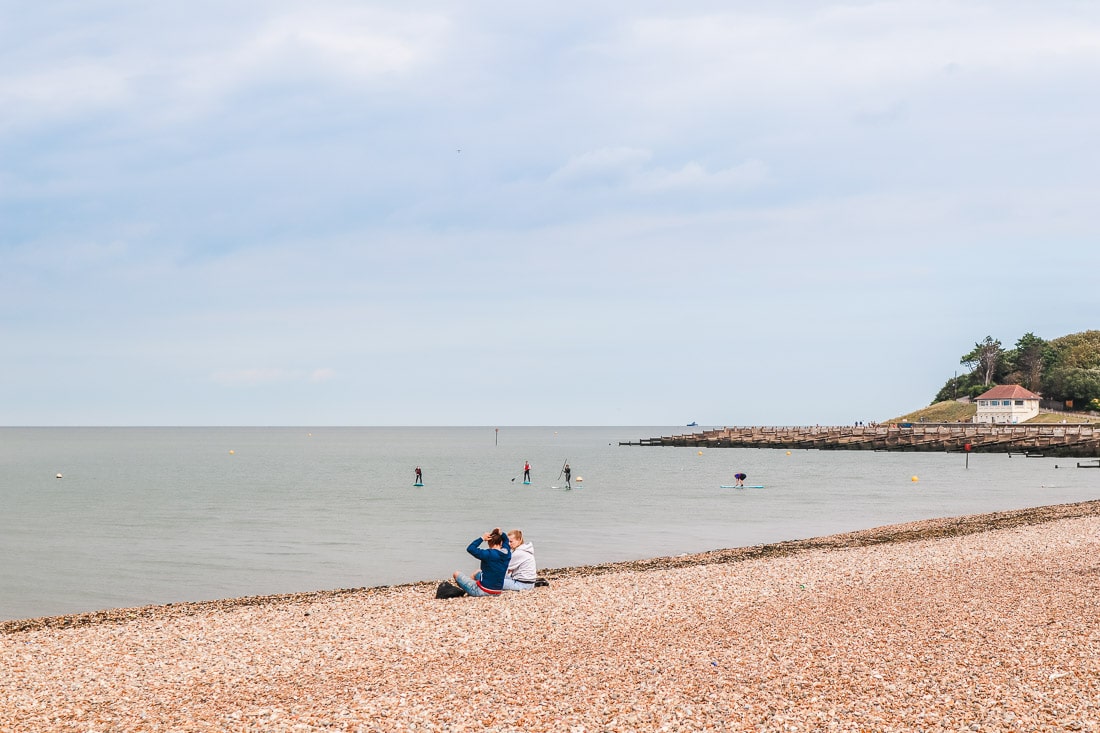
(740,487)
(418,484)
(526,482)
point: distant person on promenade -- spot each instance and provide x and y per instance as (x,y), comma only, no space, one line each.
(526,472)
(521,573)
(740,479)
(419,476)
(568,472)
(489,581)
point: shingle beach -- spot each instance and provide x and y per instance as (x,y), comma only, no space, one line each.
(982,623)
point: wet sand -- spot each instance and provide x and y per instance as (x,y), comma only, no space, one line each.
(987,622)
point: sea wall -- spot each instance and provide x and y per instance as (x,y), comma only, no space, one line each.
(1054,440)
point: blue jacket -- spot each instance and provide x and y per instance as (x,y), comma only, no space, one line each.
(494,563)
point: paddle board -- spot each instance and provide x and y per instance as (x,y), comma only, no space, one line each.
(418,484)
(526,482)
(740,487)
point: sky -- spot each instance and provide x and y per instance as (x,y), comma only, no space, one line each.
(498,213)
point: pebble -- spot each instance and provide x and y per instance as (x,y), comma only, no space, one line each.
(969,623)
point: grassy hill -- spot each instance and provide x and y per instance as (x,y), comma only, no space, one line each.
(952,411)
(1057,417)
(949,411)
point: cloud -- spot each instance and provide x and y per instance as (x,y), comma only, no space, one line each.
(694,175)
(601,166)
(681,69)
(322,375)
(269,194)
(70,255)
(154,70)
(627,168)
(353,42)
(58,92)
(262,376)
(249,377)
(319,47)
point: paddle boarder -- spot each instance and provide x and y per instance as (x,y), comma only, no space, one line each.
(740,477)
(568,472)
(419,476)
(526,472)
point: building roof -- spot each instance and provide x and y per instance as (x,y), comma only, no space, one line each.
(1008,392)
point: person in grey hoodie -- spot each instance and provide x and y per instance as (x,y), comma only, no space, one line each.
(521,571)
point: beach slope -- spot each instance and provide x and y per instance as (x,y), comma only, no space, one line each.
(973,623)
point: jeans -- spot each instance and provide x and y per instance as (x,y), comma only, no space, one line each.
(469,585)
(510,584)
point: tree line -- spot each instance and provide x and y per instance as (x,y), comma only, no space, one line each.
(1065,369)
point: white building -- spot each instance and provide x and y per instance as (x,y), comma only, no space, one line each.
(1007,403)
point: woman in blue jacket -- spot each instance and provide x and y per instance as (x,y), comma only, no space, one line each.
(489,581)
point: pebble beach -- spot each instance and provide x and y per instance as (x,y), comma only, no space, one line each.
(981,623)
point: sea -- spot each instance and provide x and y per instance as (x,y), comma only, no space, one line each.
(94,518)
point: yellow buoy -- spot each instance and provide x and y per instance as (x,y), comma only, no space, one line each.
(700,452)
(231,452)
(579,479)
(788,453)
(914,479)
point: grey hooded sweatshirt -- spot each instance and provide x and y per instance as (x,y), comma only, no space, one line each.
(522,566)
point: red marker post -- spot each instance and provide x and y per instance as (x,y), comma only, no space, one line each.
(966,447)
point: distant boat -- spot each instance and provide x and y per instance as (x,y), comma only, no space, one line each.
(693,424)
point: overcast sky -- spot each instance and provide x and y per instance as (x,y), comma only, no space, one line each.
(499,213)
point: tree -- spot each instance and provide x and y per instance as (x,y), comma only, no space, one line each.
(1031,356)
(960,385)
(986,360)
(1072,371)
(1064,368)
(1082,386)
(1080,350)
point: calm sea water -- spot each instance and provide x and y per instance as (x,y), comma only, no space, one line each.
(159,515)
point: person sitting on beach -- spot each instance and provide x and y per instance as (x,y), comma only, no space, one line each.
(489,581)
(521,571)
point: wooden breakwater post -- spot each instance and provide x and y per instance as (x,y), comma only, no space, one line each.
(1081,441)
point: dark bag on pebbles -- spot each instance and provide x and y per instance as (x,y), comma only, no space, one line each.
(542,583)
(448,590)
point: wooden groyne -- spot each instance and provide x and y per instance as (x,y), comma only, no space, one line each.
(1050,440)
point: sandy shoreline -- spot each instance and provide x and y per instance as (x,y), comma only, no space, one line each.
(986,622)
